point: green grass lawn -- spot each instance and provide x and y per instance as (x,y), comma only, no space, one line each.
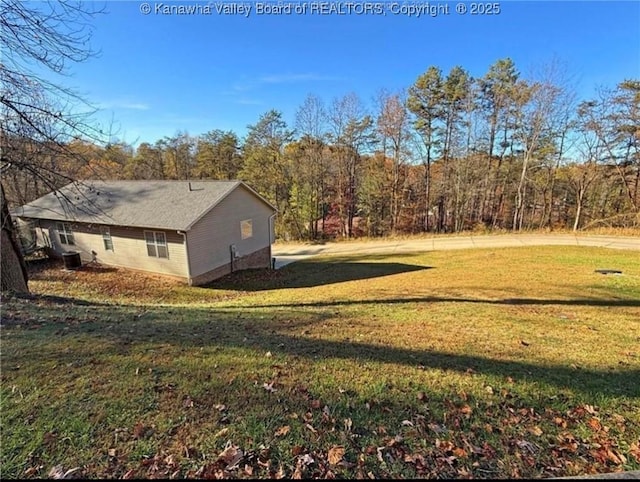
(500,363)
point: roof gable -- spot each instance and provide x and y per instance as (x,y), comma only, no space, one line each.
(174,205)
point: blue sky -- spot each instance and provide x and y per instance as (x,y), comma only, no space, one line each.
(159,74)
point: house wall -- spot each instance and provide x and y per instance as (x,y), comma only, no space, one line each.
(209,240)
(129,247)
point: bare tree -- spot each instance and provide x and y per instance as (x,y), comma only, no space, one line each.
(39,118)
(542,129)
(393,127)
(616,121)
(313,167)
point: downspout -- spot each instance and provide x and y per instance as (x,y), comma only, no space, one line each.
(186,252)
(271,218)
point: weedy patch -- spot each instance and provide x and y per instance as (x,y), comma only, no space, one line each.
(469,364)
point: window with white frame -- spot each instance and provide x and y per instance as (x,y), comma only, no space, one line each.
(246,228)
(65,233)
(106,239)
(156,244)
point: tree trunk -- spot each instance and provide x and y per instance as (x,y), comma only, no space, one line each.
(14,270)
(427,200)
(518,214)
(579,201)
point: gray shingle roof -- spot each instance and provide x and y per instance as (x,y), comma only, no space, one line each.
(149,204)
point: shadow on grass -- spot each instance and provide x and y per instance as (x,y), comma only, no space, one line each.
(283,332)
(52,299)
(440,299)
(270,337)
(308,274)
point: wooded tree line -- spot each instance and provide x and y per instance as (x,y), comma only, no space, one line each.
(451,153)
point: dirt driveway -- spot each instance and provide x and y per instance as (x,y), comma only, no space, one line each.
(286,253)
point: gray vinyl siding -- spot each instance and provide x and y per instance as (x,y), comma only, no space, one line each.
(209,240)
(129,247)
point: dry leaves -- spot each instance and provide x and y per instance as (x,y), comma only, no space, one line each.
(58,472)
(535,430)
(269,387)
(231,455)
(335,455)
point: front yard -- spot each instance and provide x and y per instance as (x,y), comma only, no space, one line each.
(520,362)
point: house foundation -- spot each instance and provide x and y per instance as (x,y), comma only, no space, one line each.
(255,260)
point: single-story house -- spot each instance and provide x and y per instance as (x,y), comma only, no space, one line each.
(194,230)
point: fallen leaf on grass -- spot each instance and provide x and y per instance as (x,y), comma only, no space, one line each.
(560,422)
(567,442)
(129,474)
(590,409)
(140,430)
(31,471)
(595,424)
(535,430)
(466,410)
(604,454)
(58,472)
(231,455)
(444,445)
(280,474)
(335,455)
(297,473)
(307,459)
(282,431)
(524,444)
(635,451)
(459,452)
